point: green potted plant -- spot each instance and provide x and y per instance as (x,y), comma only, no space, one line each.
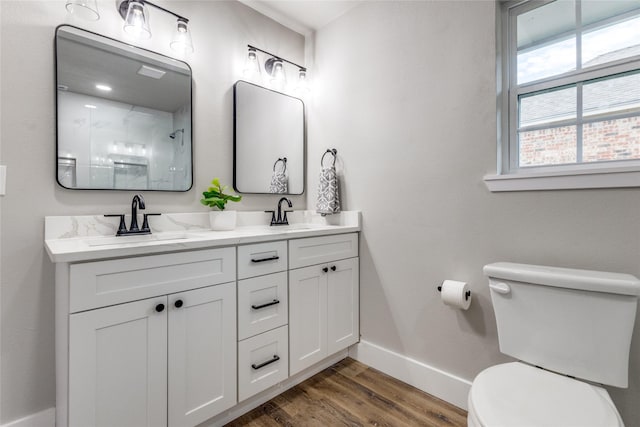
(215,197)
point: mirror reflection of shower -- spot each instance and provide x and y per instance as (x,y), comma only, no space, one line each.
(175,132)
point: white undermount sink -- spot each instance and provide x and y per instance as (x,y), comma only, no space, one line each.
(123,240)
(291,227)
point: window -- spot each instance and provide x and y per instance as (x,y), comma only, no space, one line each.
(569,107)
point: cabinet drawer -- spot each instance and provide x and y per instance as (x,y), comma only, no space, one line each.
(317,250)
(103,283)
(262,258)
(263,361)
(262,304)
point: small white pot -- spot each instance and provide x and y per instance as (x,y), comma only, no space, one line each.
(223,220)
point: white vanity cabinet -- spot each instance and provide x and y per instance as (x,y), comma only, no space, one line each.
(165,360)
(323,298)
(178,330)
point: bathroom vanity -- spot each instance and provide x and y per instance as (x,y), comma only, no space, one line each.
(189,325)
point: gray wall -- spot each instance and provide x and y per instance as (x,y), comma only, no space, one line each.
(406,92)
(221,31)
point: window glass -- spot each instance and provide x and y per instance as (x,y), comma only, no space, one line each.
(616,94)
(548,107)
(546,41)
(618,40)
(610,140)
(554,146)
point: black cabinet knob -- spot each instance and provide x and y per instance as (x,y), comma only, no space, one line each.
(325,269)
(160,308)
(333,268)
(178,303)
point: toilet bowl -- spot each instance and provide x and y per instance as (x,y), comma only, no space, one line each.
(570,329)
(519,395)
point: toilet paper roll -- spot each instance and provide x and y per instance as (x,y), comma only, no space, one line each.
(454,293)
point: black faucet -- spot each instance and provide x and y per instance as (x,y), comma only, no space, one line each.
(136,203)
(282,215)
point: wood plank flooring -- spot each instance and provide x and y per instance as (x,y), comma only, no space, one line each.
(350,393)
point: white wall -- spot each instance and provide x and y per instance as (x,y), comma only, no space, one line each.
(221,30)
(406,92)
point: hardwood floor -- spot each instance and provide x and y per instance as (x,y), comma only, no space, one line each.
(352,394)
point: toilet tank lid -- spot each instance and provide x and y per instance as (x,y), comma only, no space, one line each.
(586,280)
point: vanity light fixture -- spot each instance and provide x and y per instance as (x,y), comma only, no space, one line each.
(274,67)
(136,23)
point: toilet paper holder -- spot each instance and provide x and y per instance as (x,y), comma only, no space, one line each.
(467,294)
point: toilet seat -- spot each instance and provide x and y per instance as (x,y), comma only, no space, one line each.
(519,395)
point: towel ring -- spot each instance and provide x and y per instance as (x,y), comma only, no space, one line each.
(284,163)
(331,151)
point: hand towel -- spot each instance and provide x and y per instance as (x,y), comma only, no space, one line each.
(279,181)
(328,197)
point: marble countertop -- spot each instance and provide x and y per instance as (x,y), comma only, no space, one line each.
(91,238)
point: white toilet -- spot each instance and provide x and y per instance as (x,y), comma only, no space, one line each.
(563,324)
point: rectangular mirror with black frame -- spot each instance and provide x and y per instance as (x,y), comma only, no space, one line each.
(269,141)
(123,115)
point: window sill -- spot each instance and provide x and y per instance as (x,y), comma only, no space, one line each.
(592,178)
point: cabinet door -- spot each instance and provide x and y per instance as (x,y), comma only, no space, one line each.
(202,354)
(118,365)
(307,317)
(343,296)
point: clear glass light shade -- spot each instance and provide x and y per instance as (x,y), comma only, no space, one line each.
(136,22)
(302,88)
(84,9)
(181,41)
(251,71)
(278,77)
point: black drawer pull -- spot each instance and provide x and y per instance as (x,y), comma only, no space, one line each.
(333,268)
(258,307)
(268,362)
(273,258)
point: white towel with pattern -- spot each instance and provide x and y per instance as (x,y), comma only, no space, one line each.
(328,197)
(279,182)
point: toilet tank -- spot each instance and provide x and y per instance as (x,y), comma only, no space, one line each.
(574,322)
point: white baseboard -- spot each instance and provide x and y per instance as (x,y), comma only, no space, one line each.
(46,418)
(434,381)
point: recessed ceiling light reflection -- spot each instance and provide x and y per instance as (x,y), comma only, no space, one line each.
(93,107)
(103,87)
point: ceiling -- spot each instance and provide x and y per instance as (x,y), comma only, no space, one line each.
(84,60)
(302,16)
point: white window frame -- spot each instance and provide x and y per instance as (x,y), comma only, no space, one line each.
(509,176)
